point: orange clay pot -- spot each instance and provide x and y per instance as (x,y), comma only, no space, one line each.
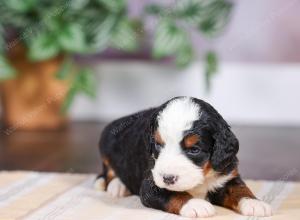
(33,100)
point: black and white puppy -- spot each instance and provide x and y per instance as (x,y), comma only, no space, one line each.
(179,157)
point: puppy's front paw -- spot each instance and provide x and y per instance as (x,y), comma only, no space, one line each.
(117,189)
(99,184)
(195,208)
(254,207)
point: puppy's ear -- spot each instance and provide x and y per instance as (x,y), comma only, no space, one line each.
(225,148)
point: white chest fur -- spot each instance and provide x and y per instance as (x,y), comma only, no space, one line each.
(211,183)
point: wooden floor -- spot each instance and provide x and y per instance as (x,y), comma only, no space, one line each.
(265,152)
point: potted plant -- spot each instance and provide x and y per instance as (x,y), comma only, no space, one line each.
(40,40)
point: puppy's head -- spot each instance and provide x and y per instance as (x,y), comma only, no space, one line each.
(189,138)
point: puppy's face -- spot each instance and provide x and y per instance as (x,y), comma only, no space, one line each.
(183,146)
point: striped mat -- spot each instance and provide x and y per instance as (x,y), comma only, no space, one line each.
(31,195)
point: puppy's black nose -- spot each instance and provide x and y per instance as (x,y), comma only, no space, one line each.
(170,179)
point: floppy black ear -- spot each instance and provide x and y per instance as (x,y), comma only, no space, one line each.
(225,148)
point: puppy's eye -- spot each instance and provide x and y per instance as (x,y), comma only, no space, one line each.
(158,147)
(193,150)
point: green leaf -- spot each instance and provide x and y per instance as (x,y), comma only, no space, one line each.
(20,5)
(78,4)
(113,5)
(6,71)
(85,82)
(65,69)
(168,39)
(184,55)
(101,33)
(217,16)
(72,38)
(43,47)
(69,99)
(51,23)
(211,67)
(2,42)
(191,11)
(124,37)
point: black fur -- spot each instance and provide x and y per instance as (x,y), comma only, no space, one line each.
(153,196)
(124,143)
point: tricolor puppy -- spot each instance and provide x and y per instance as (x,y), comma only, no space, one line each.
(179,157)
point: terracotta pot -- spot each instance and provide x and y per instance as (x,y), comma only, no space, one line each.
(33,100)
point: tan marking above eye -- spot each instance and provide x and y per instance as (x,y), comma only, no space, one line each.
(158,138)
(191,140)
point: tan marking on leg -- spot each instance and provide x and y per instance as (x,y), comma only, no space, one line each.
(105,161)
(235,194)
(110,173)
(177,201)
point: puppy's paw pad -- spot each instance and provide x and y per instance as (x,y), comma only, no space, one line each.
(254,207)
(99,184)
(195,208)
(117,189)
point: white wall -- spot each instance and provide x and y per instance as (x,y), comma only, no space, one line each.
(260,94)
(261,31)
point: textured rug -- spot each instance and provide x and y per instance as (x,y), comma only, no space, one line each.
(31,195)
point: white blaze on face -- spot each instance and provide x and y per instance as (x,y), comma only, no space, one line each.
(177,117)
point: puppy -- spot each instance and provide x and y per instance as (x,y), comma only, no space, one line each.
(179,157)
